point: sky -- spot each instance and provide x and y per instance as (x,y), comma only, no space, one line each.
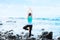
(40,8)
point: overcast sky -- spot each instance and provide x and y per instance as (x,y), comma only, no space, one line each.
(19,8)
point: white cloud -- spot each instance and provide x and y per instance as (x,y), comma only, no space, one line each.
(21,11)
(36,1)
(45,11)
(11,10)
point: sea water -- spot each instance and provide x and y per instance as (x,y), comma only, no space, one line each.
(17,24)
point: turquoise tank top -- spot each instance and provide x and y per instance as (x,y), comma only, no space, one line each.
(29,19)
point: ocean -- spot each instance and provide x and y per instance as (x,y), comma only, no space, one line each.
(17,23)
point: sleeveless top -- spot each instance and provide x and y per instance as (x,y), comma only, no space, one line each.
(30,20)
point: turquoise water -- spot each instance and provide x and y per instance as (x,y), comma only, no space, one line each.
(16,24)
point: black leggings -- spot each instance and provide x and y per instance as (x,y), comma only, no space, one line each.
(26,28)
